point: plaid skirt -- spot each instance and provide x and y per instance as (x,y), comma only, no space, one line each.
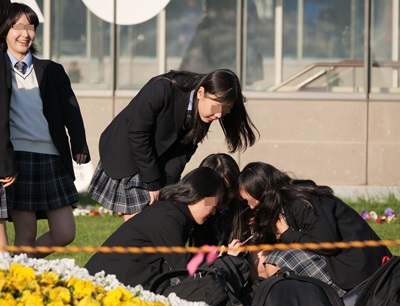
(3,202)
(42,184)
(303,263)
(126,196)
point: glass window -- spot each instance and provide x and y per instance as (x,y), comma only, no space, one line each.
(137,54)
(80,41)
(385,47)
(322,45)
(201,35)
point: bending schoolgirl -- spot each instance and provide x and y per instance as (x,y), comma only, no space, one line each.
(168,222)
(148,144)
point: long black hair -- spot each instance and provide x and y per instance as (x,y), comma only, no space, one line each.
(196,185)
(277,192)
(226,166)
(14,11)
(224,83)
(4,4)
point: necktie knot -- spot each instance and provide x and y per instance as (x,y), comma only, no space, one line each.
(21,66)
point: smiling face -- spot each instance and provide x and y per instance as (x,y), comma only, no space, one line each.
(210,109)
(203,209)
(20,38)
(250,200)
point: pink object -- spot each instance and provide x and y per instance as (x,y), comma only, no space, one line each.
(212,254)
(197,259)
(194,263)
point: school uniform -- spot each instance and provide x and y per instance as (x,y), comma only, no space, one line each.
(141,148)
(162,224)
(332,220)
(42,106)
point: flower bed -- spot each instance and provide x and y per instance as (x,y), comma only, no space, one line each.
(29,281)
(388,217)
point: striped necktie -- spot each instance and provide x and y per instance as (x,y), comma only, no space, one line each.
(21,66)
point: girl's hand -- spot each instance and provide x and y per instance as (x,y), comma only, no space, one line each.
(80,158)
(7,181)
(281,226)
(233,247)
(154,196)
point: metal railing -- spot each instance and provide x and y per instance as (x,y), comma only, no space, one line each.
(328,69)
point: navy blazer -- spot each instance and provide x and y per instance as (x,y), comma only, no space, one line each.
(60,108)
(145,137)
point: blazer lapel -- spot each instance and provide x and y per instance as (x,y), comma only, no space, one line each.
(39,67)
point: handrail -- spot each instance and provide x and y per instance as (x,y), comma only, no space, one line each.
(331,66)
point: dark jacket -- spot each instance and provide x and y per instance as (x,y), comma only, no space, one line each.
(7,158)
(61,110)
(162,224)
(333,221)
(145,137)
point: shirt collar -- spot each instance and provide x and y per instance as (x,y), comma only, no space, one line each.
(27,59)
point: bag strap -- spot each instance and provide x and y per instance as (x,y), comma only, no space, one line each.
(157,281)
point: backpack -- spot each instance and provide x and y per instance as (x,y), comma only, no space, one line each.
(288,289)
(217,284)
(382,288)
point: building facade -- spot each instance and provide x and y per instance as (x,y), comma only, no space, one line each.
(321,77)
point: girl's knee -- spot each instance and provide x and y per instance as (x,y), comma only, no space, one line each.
(62,238)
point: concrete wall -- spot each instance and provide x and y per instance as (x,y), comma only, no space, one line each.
(339,140)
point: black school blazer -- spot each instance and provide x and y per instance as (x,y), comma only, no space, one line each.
(7,160)
(60,108)
(146,133)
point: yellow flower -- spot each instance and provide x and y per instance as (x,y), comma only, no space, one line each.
(81,288)
(116,296)
(19,286)
(48,279)
(88,301)
(59,294)
(7,299)
(22,277)
(31,299)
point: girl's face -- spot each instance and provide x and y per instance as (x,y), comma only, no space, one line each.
(250,200)
(203,209)
(20,38)
(209,109)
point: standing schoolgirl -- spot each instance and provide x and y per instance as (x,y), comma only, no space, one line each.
(41,108)
(148,144)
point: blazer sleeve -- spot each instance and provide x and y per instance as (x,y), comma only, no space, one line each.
(312,225)
(7,159)
(72,116)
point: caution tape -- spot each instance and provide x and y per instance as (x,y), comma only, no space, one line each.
(177,249)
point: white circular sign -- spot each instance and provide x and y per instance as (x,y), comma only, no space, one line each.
(128,11)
